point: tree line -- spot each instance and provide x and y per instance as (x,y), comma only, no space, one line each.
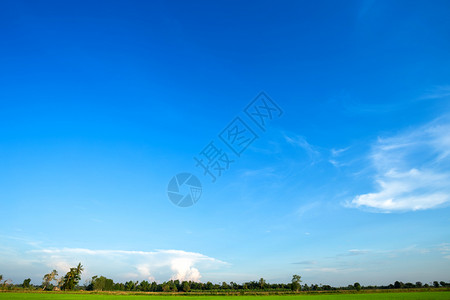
(71,281)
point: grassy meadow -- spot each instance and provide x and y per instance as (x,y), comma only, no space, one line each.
(319,296)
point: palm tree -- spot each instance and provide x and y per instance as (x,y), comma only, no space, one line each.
(48,278)
(72,278)
(79,269)
(262,283)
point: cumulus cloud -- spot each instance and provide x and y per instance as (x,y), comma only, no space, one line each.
(125,265)
(184,270)
(412,170)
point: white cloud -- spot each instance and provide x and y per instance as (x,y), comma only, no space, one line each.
(337,152)
(144,272)
(184,270)
(124,265)
(342,157)
(412,170)
(354,252)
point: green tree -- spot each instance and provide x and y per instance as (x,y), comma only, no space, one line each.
(90,286)
(166,287)
(71,279)
(296,279)
(177,285)
(435,284)
(144,286)
(154,287)
(409,285)
(357,286)
(262,283)
(101,284)
(48,278)
(185,286)
(130,285)
(26,283)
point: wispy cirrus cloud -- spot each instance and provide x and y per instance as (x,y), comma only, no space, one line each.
(305,262)
(412,170)
(444,249)
(438,93)
(305,208)
(354,252)
(299,141)
(335,154)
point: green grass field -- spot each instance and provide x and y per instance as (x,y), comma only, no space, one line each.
(375,296)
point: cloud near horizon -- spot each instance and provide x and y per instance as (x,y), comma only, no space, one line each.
(130,265)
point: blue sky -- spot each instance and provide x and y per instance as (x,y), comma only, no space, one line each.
(102,103)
